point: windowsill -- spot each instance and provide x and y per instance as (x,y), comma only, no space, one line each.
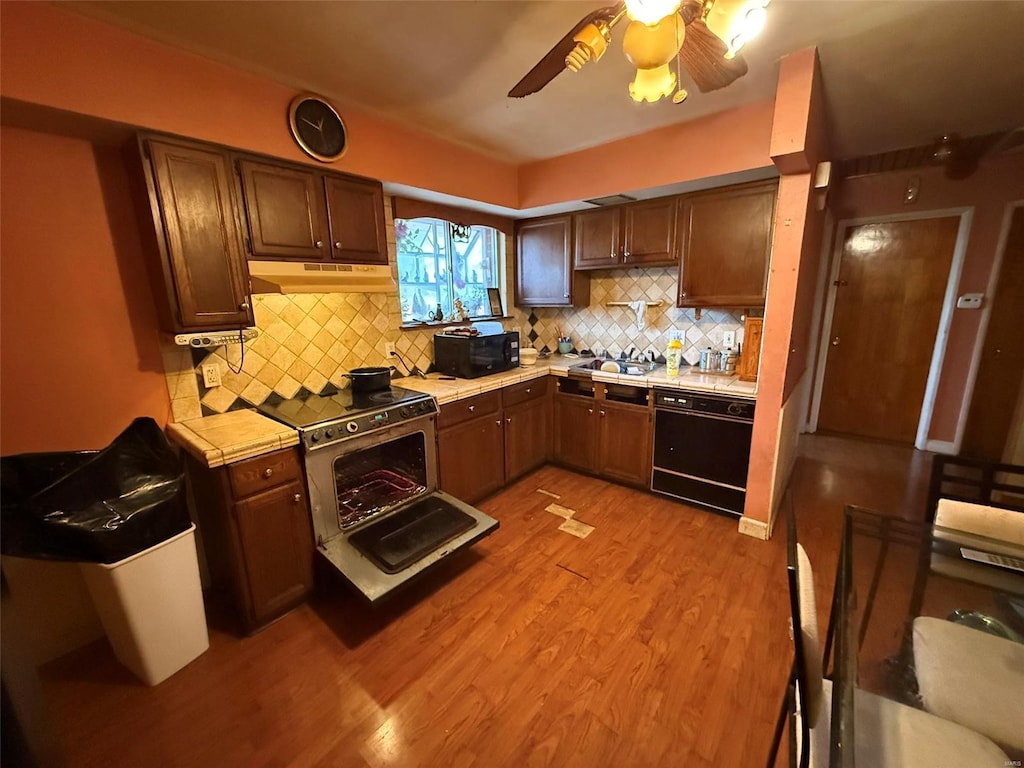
(446,324)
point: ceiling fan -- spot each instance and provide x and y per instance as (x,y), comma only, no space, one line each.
(703,36)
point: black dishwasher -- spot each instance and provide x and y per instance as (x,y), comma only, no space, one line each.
(702,448)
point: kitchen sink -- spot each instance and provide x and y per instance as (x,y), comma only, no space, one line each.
(585,368)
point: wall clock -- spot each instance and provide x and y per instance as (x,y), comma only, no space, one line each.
(317,127)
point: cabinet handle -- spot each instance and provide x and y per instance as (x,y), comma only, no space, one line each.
(244,306)
(297,498)
(613,254)
(565,295)
(498,422)
(338,245)
(625,255)
(268,472)
(528,390)
(602,413)
(682,294)
(472,408)
(319,243)
(508,420)
(590,410)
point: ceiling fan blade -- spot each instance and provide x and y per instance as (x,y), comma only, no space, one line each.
(554,61)
(703,55)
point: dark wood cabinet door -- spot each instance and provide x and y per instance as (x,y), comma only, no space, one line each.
(285,211)
(472,458)
(575,439)
(355,212)
(544,274)
(597,239)
(204,269)
(527,436)
(624,443)
(726,246)
(650,232)
(274,530)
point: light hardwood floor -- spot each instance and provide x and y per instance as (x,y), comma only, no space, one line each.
(660,640)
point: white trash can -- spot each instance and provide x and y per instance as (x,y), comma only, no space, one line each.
(151,605)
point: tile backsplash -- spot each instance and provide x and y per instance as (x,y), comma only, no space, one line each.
(308,341)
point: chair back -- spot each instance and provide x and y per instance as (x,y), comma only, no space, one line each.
(978,481)
(981,520)
(807,662)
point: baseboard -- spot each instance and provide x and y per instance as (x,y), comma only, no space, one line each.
(754,528)
(940,446)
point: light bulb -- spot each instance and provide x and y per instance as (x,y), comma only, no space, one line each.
(650,12)
(737,22)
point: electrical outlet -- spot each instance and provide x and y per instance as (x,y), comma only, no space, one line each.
(389,349)
(729,339)
(211,375)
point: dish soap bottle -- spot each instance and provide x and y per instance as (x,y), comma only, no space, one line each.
(672,357)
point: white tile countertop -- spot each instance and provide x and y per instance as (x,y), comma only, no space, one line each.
(229,437)
(449,390)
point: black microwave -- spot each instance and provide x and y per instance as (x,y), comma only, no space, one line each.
(468,357)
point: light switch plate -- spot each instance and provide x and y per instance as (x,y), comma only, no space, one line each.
(729,339)
(970,301)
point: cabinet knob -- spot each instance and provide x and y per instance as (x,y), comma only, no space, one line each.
(508,420)
(682,294)
(297,498)
(835,341)
(472,408)
(244,306)
(602,413)
(319,243)
(565,295)
(529,390)
(613,254)
(338,245)
(268,472)
(498,422)
(590,410)
(625,255)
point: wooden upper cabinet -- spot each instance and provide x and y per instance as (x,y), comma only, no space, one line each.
(597,242)
(202,271)
(649,233)
(544,273)
(285,211)
(726,246)
(355,213)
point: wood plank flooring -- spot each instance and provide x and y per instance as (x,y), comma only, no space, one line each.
(659,640)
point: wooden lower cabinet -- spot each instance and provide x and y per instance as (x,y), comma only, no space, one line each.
(471,458)
(527,436)
(575,432)
(257,533)
(624,443)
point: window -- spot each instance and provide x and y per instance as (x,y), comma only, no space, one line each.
(439,262)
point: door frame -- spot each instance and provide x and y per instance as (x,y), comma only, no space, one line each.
(986,314)
(966,215)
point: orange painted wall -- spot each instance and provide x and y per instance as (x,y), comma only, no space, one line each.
(726,142)
(79,347)
(61,59)
(996,183)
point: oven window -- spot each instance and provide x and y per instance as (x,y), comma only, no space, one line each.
(373,480)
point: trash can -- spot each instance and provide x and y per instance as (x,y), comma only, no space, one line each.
(120,513)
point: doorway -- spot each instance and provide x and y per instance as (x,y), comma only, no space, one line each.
(1001,369)
(885,324)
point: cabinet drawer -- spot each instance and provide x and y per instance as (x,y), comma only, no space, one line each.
(255,475)
(470,408)
(520,393)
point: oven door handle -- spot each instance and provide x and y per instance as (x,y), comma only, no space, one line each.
(700,415)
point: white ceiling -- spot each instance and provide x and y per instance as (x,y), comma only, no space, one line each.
(896,72)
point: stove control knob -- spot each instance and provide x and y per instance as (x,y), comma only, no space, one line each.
(404,412)
(352,427)
(328,433)
(314,437)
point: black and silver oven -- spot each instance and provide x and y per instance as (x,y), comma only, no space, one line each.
(702,448)
(371,468)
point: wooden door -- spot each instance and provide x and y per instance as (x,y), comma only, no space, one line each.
(472,458)
(274,530)
(596,243)
(650,232)
(527,436)
(284,207)
(355,210)
(1001,369)
(544,274)
(624,443)
(891,285)
(575,443)
(190,192)
(726,245)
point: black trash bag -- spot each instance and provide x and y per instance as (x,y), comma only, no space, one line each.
(93,506)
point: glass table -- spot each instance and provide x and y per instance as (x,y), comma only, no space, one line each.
(892,572)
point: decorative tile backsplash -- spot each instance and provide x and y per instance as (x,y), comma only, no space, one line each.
(599,327)
(308,341)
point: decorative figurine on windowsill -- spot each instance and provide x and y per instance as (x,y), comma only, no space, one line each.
(460,313)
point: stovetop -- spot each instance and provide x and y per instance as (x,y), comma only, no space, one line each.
(323,419)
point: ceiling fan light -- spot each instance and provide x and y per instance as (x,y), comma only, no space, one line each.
(650,12)
(737,22)
(652,84)
(647,47)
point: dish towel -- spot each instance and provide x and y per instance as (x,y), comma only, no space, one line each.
(640,307)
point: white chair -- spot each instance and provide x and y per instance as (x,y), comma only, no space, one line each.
(886,733)
(972,678)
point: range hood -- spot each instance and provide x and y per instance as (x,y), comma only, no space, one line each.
(315,277)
